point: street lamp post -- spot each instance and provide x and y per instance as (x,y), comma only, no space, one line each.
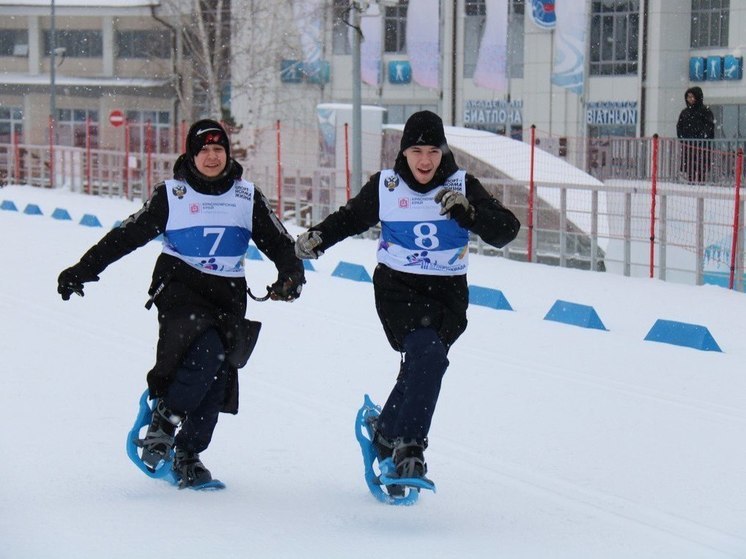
(357,129)
(358,7)
(52,67)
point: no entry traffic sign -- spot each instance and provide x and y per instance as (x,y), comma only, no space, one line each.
(116,118)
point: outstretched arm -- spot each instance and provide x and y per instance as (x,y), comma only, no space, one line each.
(132,233)
(272,239)
(358,215)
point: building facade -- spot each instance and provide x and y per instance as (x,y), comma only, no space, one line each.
(111,62)
(488,64)
(639,56)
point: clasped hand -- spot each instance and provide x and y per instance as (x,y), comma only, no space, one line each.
(306,245)
(457,206)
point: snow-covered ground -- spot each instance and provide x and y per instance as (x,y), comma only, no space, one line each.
(550,440)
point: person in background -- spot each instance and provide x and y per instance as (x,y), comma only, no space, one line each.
(695,126)
(207,214)
(427,208)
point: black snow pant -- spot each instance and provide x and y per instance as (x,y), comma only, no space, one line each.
(198,391)
(409,409)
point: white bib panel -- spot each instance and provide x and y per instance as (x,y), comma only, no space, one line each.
(210,233)
(415,238)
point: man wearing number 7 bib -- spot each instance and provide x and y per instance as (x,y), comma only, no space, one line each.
(207,215)
(427,207)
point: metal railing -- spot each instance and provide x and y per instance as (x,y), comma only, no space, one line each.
(672,227)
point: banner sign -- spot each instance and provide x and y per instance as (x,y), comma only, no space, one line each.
(490,114)
(611,112)
(714,68)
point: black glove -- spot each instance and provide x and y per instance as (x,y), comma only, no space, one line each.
(306,245)
(287,288)
(457,206)
(72,279)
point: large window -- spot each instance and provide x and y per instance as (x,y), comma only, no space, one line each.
(730,121)
(150,129)
(398,114)
(710,20)
(72,125)
(615,31)
(143,44)
(13,42)
(395,28)
(606,130)
(11,124)
(341,28)
(77,43)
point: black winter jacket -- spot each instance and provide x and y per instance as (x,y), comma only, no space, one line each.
(696,121)
(407,301)
(190,301)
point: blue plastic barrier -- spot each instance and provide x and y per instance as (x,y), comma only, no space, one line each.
(575,314)
(351,271)
(683,334)
(32,209)
(487,297)
(90,220)
(252,253)
(60,213)
(8,205)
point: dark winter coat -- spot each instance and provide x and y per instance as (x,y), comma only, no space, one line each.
(190,301)
(696,125)
(407,301)
(696,121)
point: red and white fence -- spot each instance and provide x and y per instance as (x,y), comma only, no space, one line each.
(660,207)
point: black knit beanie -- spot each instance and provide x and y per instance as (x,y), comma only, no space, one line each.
(205,132)
(424,128)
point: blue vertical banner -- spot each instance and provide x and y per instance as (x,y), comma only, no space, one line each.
(491,70)
(568,69)
(290,71)
(697,67)
(714,67)
(400,72)
(732,67)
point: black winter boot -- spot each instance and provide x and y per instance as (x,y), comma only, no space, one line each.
(409,457)
(189,469)
(159,440)
(385,449)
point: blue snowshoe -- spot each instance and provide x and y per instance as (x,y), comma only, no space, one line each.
(190,472)
(154,453)
(386,485)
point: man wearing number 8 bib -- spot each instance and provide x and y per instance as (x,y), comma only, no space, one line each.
(207,214)
(427,208)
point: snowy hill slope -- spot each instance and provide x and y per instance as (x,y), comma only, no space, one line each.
(550,440)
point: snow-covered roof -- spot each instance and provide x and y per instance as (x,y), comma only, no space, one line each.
(72,81)
(512,157)
(348,106)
